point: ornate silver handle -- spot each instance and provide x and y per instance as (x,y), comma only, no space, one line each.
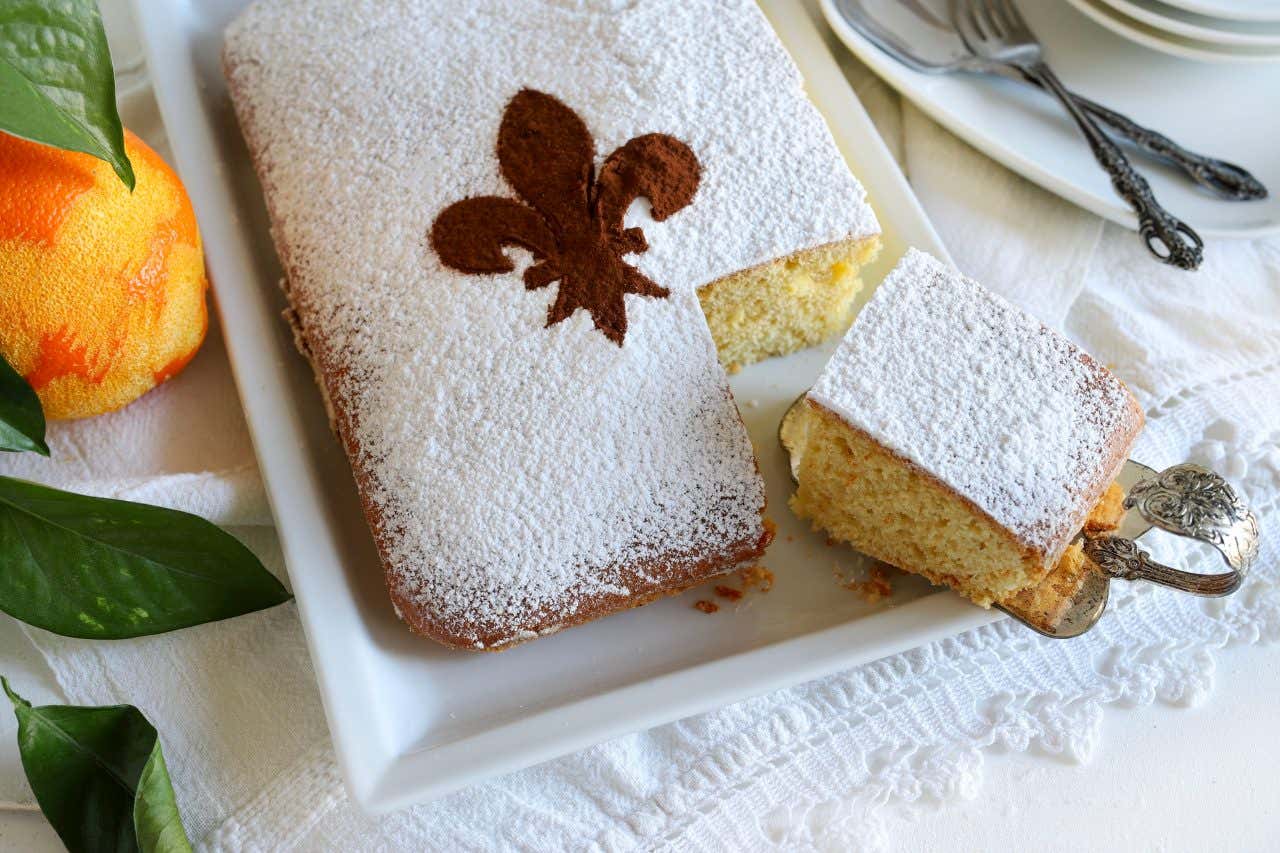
(1190,501)
(1167,237)
(1225,179)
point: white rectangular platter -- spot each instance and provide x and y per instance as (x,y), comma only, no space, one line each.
(411,720)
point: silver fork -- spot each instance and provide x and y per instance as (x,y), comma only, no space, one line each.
(920,35)
(996,31)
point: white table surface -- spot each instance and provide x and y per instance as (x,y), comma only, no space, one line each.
(1163,778)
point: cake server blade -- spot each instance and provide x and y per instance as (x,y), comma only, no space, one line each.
(1089,602)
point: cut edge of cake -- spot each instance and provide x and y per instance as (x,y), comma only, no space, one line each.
(787,304)
(826,481)
(842,465)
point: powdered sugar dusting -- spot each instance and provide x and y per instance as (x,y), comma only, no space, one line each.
(1005,411)
(521,472)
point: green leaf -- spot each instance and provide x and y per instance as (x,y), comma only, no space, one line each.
(21,417)
(155,811)
(99,777)
(56,82)
(107,569)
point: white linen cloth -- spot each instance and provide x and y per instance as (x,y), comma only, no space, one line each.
(803,768)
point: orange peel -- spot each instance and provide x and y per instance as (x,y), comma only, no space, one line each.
(102,291)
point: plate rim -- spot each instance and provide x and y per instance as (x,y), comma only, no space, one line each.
(1149,12)
(1209,9)
(297,501)
(1108,16)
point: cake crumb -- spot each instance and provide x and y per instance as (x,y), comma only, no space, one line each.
(753,404)
(877,586)
(750,578)
(728,592)
(756,576)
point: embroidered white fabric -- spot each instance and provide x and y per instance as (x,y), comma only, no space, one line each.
(803,768)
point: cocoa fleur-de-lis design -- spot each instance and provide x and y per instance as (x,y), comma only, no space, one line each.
(571,218)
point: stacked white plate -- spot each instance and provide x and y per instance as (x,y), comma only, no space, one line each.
(1203,30)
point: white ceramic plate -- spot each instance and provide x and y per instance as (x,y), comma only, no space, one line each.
(1234,10)
(1227,111)
(410,719)
(1199,27)
(1165,42)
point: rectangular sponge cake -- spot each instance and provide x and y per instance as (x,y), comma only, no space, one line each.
(954,436)
(527,388)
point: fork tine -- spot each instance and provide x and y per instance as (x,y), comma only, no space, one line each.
(999,28)
(1015,24)
(999,19)
(982,14)
(995,30)
(959,10)
(968,16)
(997,14)
(1010,12)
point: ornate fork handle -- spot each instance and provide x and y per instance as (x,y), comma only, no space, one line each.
(1190,501)
(1226,179)
(1167,237)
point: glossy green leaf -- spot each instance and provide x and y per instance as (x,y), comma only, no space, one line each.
(108,569)
(99,777)
(56,82)
(21,417)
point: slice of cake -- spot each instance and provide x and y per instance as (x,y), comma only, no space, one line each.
(954,436)
(514,354)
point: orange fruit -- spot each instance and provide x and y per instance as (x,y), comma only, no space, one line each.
(102,291)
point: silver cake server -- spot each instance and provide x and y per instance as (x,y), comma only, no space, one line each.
(1186,500)
(920,35)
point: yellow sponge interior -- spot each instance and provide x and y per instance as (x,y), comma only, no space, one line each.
(859,492)
(786,304)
